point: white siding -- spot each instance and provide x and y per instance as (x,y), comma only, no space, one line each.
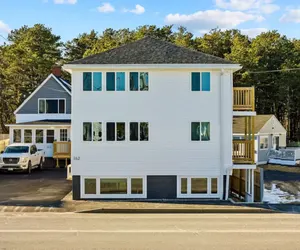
(169,106)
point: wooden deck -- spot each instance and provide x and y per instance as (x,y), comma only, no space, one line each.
(243,99)
(62,150)
(243,152)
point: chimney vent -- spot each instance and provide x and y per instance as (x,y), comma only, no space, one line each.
(56,70)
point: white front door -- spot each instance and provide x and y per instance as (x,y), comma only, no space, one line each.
(49,143)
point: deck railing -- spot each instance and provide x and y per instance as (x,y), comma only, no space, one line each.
(62,149)
(243,99)
(243,151)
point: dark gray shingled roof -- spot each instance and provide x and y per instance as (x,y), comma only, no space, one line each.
(64,83)
(150,50)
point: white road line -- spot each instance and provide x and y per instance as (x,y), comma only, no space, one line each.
(148,231)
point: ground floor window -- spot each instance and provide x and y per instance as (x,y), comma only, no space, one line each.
(63,135)
(90,186)
(17,136)
(50,136)
(194,186)
(124,187)
(27,136)
(39,136)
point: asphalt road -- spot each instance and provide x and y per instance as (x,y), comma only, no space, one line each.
(179,231)
(41,188)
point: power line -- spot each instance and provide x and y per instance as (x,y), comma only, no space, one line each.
(4,38)
(273,71)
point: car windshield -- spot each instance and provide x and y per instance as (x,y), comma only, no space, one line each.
(16,150)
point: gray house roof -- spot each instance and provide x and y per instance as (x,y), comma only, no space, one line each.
(150,50)
(44,122)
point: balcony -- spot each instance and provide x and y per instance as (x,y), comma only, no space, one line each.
(243,99)
(243,152)
(61,150)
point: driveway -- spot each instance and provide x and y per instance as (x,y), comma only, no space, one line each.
(40,188)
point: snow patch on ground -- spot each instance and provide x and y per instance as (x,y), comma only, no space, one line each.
(276,196)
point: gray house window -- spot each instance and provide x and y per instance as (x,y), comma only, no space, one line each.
(52,106)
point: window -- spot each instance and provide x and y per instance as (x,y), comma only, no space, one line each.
(17,136)
(139,131)
(97,131)
(121,131)
(199,185)
(39,136)
(50,136)
(200,131)
(52,106)
(87,131)
(136,186)
(112,133)
(200,81)
(139,81)
(87,81)
(184,185)
(214,185)
(97,81)
(33,150)
(63,135)
(115,81)
(264,142)
(90,186)
(27,136)
(113,186)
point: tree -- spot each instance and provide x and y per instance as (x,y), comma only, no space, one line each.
(76,48)
(25,63)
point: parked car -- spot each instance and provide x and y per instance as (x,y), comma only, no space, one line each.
(21,157)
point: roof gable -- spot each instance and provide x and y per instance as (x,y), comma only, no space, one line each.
(259,123)
(51,76)
(150,50)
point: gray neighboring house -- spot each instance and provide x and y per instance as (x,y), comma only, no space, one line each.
(269,134)
(45,116)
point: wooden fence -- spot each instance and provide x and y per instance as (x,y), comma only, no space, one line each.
(237,184)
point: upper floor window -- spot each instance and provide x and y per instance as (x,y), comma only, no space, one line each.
(200,81)
(92,81)
(139,131)
(52,106)
(200,131)
(92,131)
(139,81)
(115,81)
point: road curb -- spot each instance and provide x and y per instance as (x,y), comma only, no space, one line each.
(27,209)
(179,211)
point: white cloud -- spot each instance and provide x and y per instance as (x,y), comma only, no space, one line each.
(139,9)
(261,6)
(65,1)
(4,27)
(209,19)
(253,32)
(292,16)
(106,8)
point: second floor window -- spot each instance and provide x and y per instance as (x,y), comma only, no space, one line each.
(92,81)
(200,81)
(115,81)
(52,106)
(200,131)
(139,81)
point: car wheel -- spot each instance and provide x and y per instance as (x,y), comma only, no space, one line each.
(29,168)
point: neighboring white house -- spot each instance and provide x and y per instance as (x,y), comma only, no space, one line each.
(45,116)
(269,134)
(153,120)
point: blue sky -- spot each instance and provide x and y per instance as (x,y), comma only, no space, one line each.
(68,18)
